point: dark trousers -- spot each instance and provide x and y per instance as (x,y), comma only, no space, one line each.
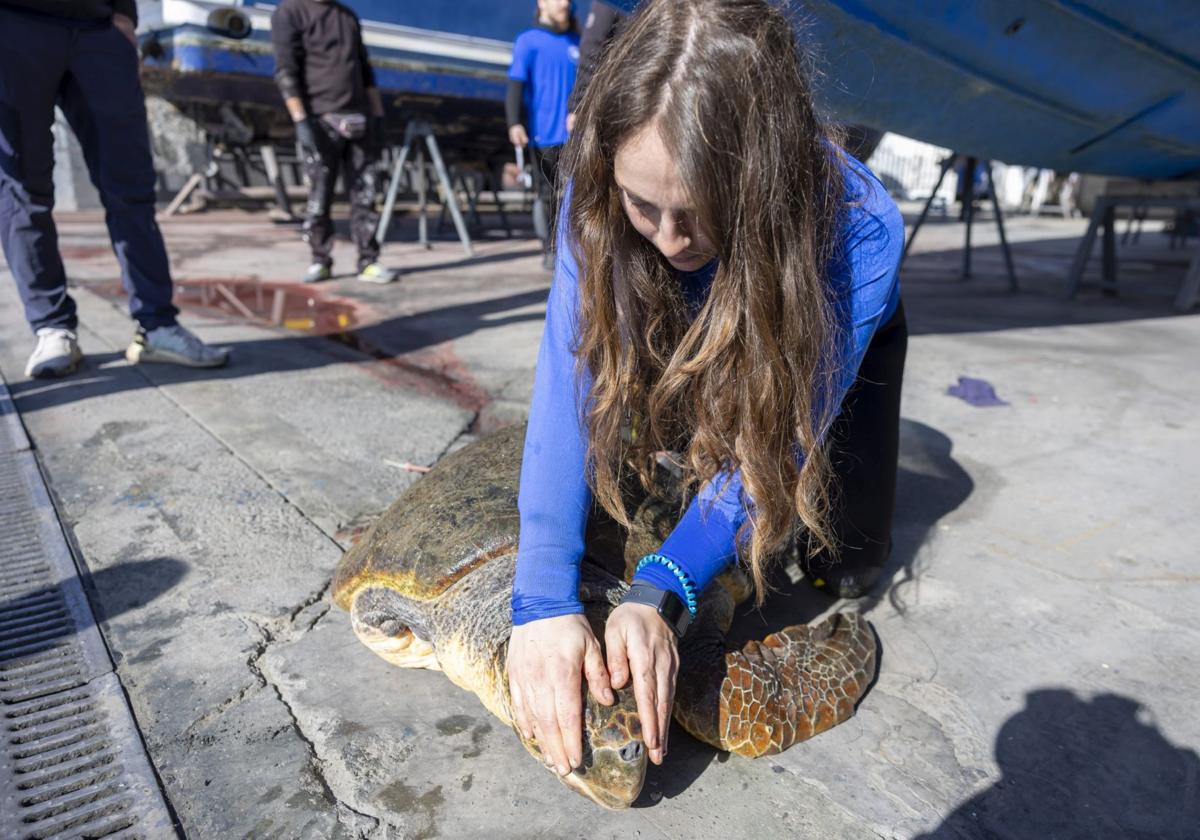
(865,447)
(357,160)
(91,71)
(545,176)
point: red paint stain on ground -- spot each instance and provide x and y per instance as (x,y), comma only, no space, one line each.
(435,371)
(84,252)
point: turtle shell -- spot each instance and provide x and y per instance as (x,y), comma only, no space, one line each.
(456,518)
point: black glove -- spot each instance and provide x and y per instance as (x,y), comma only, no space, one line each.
(306,135)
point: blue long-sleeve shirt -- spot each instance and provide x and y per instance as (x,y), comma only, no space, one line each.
(554,497)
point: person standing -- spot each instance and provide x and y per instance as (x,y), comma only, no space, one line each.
(539,82)
(602,22)
(328,86)
(82,56)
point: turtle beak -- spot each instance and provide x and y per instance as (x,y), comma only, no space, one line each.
(614,776)
(614,757)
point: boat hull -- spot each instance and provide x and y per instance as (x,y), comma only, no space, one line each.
(446,63)
(1101,86)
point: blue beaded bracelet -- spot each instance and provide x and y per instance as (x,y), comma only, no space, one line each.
(689,588)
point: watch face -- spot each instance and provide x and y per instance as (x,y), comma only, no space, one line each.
(668,604)
(671,608)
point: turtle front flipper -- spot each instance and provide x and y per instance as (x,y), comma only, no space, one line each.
(792,685)
(383,622)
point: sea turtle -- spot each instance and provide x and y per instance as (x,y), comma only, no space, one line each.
(429,585)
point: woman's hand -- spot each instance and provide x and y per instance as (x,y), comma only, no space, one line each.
(545,659)
(640,644)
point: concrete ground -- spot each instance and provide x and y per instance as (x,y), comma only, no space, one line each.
(1039,617)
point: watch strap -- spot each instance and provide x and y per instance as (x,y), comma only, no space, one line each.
(668,605)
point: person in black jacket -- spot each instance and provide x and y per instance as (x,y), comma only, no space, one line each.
(602,23)
(328,86)
(82,56)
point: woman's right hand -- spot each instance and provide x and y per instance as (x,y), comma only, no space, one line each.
(545,659)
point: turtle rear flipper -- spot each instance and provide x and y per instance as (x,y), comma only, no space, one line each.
(792,685)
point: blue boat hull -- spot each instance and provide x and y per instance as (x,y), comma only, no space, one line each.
(445,62)
(1102,86)
(192,51)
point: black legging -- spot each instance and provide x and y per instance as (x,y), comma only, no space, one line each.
(545,177)
(865,447)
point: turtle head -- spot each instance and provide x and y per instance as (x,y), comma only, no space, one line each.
(614,757)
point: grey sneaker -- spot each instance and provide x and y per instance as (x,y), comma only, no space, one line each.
(376,273)
(317,273)
(57,353)
(175,345)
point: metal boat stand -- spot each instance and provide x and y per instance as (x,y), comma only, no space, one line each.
(972,164)
(415,132)
(1104,221)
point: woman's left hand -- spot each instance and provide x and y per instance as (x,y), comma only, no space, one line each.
(640,645)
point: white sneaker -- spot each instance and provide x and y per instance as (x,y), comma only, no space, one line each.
(376,273)
(57,353)
(317,273)
(175,345)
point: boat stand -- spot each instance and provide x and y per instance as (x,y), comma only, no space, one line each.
(1104,221)
(972,164)
(414,133)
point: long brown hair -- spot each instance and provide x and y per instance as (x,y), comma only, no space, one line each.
(747,384)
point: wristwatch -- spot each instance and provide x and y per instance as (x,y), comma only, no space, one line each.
(668,604)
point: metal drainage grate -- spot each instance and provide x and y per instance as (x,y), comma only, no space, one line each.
(71,760)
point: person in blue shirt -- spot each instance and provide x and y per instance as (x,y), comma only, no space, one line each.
(726,289)
(539,85)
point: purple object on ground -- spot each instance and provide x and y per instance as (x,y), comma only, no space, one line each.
(978,392)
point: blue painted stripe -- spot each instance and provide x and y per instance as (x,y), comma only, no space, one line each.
(395,70)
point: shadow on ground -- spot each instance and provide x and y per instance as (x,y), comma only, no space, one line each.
(131,584)
(1078,768)
(38,621)
(503,256)
(938,301)
(385,340)
(930,485)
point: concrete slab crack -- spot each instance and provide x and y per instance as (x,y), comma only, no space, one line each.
(299,621)
(316,597)
(364,826)
(221,708)
(467,430)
